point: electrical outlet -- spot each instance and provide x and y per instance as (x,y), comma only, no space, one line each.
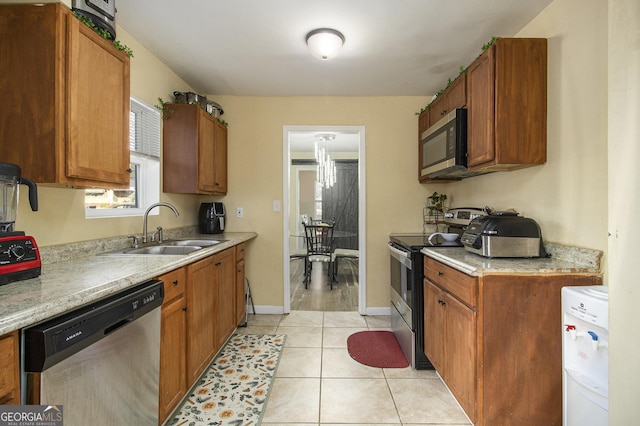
(276,205)
(239,212)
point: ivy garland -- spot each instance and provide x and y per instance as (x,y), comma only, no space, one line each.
(104,34)
(463,70)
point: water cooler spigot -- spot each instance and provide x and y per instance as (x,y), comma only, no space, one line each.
(596,342)
(571,329)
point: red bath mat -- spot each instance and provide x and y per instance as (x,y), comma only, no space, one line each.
(376,349)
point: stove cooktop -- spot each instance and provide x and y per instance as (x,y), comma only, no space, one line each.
(418,241)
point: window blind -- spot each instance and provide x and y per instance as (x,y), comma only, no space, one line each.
(144,129)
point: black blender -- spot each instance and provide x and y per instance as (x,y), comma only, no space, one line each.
(19,256)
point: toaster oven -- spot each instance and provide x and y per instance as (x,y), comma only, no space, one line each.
(504,234)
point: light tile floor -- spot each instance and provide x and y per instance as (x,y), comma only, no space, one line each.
(318,383)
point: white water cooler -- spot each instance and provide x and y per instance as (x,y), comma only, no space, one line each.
(585,356)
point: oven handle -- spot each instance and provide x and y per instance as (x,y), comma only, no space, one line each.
(402,256)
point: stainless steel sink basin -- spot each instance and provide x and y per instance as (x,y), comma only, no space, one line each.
(162,249)
(200,243)
(172,247)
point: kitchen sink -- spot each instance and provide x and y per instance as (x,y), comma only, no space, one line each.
(172,247)
(200,243)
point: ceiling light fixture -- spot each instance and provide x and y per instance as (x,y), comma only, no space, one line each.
(325,43)
(326,169)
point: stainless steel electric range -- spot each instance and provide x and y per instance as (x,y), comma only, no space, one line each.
(406,274)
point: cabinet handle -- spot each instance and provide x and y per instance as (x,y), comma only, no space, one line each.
(219,263)
(444,111)
(129,170)
(175,283)
(440,273)
(184,309)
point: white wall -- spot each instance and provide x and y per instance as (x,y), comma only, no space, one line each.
(624,209)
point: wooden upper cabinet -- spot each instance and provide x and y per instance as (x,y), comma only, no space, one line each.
(67,117)
(455,96)
(507,106)
(194,152)
(220,160)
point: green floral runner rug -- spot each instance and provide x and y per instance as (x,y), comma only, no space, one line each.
(235,388)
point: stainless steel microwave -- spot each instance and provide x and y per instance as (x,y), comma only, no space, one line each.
(444,147)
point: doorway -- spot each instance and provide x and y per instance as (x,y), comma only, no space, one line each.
(345,202)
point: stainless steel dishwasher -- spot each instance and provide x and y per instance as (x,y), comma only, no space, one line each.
(100,361)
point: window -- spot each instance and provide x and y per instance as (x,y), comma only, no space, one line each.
(144,190)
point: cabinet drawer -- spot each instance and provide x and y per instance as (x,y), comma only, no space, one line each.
(174,284)
(240,251)
(461,285)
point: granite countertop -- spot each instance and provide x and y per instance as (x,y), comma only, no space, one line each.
(563,260)
(73,276)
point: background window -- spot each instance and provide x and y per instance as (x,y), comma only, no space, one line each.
(144,189)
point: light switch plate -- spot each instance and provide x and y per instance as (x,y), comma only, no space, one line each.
(239,212)
(276,205)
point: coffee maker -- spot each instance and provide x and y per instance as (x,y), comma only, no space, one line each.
(211,218)
(19,256)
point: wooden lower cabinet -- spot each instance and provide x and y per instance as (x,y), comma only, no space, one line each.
(201,297)
(224,267)
(198,316)
(240,295)
(450,343)
(9,370)
(173,341)
(496,341)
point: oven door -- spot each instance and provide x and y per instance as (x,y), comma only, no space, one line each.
(401,283)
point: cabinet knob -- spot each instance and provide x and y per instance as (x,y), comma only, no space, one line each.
(440,273)
(219,263)
(175,283)
(184,309)
(129,170)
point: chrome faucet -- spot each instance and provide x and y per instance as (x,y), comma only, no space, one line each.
(146,214)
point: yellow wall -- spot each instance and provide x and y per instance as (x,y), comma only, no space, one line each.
(566,196)
(255,177)
(624,208)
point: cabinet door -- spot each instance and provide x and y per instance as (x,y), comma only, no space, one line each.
(206,153)
(173,368)
(201,296)
(240,295)
(460,336)
(71,125)
(9,370)
(220,159)
(481,113)
(455,96)
(434,343)
(97,107)
(224,263)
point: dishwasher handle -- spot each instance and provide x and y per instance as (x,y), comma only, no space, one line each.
(55,340)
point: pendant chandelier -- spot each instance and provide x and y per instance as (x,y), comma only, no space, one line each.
(326,169)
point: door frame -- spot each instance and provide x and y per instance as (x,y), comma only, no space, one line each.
(286,204)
